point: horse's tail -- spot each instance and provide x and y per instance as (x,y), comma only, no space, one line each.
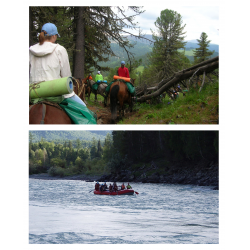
(113,101)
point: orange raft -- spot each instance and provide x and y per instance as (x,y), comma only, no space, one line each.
(126,79)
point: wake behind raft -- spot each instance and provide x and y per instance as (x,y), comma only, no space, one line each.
(119,192)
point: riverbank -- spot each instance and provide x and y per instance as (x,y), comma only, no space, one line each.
(81,177)
(202,173)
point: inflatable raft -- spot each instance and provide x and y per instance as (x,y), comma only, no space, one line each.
(119,192)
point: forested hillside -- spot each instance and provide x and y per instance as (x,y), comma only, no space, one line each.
(142,47)
(147,156)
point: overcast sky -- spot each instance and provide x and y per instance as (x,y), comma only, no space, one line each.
(198,19)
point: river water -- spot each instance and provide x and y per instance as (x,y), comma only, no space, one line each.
(67,212)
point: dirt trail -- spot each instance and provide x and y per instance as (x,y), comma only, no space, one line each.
(104,114)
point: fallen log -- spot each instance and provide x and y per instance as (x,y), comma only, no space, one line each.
(182,75)
(189,69)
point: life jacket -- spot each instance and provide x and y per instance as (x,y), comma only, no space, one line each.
(97,185)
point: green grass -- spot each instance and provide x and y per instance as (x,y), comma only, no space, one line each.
(194,108)
(188,52)
(92,100)
(140,69)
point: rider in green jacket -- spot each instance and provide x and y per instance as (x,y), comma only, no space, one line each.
(98,76)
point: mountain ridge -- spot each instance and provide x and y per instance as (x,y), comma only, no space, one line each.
(190,43)
(52,135)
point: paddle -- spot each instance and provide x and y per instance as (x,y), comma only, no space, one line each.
(136,192)
(91,190)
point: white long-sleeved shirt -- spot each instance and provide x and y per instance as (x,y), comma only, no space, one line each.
(47,62)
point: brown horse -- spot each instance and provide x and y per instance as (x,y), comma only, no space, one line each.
(88,88)
(119,93)
(45,113)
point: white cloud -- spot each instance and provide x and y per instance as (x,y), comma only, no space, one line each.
(198,19)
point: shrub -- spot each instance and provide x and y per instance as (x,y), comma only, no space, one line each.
(33,169)
(57,162)
(56,171)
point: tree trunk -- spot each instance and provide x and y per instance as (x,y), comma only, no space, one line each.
(181,75)
(79,53)
(30,28)
(204,76)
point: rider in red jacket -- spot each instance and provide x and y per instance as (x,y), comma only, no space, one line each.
(123,71)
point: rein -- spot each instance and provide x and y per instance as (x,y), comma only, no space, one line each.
(78,85)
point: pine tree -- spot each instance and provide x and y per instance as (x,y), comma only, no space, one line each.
(202,53)
(31,139)
(99,149)
(93,152)
(165,58)
(108,147)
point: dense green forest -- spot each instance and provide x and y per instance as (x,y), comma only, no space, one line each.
(68,154)
(121,150)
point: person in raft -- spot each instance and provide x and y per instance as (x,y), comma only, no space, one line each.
(123,71)
(48,60)
(98,77)
(128,186)
(105,187)
(110,187)
(97,186)
(122,186)
(115,188)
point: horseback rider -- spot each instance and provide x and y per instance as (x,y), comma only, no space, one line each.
(123,71)
(50,61)
(99,77)
(90,77)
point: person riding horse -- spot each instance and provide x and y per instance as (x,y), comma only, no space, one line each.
(99,77)
(123,71)
(50,61)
